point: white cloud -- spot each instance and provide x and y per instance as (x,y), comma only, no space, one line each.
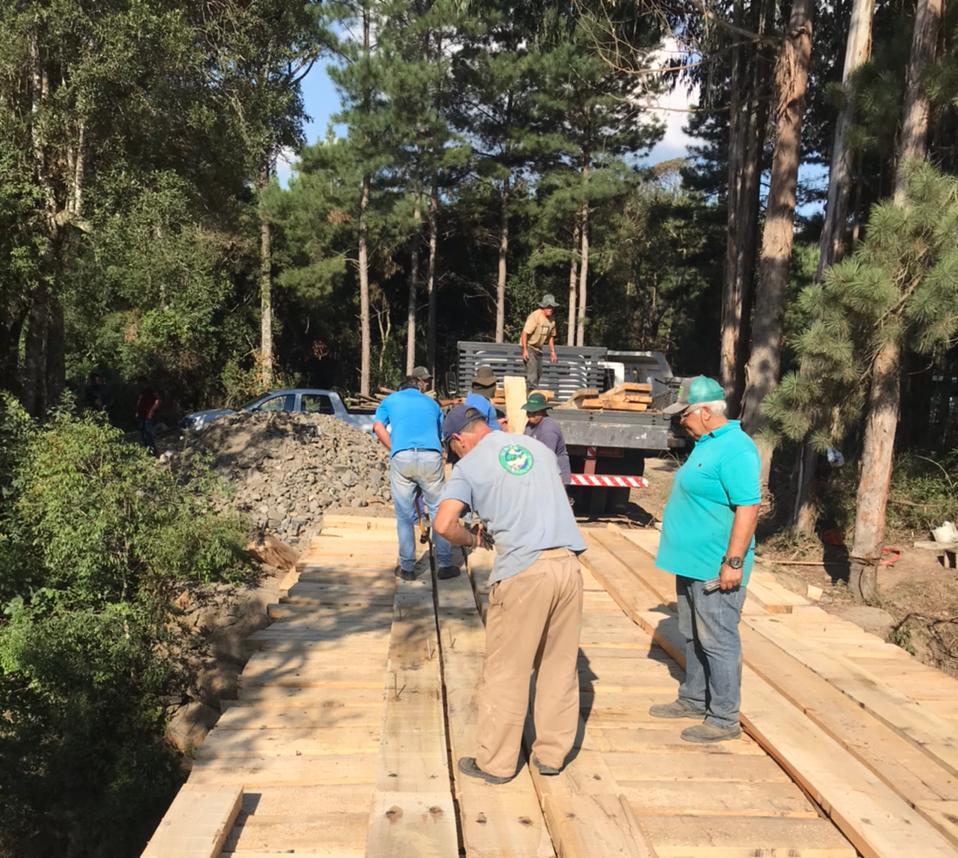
(285,163)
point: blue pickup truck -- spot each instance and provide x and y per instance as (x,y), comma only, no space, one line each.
(302,400)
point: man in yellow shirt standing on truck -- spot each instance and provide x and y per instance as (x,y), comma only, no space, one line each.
(539,329)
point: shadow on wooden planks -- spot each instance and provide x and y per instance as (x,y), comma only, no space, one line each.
(853,774)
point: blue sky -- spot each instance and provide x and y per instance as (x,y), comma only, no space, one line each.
(322,101)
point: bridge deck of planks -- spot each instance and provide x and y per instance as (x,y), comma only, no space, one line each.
(360,695)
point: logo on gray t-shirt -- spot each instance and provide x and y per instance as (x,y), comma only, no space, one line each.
(516,460)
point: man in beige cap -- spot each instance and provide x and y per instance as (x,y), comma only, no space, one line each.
(539,329)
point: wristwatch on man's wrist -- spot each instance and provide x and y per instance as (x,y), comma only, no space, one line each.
(732,562)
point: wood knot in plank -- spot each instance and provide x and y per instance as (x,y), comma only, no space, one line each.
(394,814)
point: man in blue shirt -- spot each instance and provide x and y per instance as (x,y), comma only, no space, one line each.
(708,543)
(408,424)
(483,389)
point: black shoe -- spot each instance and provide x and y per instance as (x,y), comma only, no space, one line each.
(411,575)
(468,766)
(448,572)
(548,771)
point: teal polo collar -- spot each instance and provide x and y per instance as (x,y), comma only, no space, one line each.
(717,433)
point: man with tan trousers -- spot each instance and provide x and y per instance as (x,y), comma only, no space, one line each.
(512,485)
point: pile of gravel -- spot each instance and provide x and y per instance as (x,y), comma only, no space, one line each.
(287,468)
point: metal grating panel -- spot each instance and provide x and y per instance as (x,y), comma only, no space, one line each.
(576,367)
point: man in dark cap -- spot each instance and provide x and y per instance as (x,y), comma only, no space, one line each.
(539,329)
(423,378)
(483,389)
(542,427)
(511,483)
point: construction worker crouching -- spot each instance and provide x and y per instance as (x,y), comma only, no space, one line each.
(511,483)
(415,460)
(539,329)
(708,543)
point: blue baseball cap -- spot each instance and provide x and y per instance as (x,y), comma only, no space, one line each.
(695,391)
(457,419)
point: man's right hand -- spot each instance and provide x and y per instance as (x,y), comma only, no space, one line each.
(525,356)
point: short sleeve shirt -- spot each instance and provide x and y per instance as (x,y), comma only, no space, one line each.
(485,408)
(512,483)
(415,418)
(539,329)
(721,474)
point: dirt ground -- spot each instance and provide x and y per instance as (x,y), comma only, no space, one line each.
(918,605)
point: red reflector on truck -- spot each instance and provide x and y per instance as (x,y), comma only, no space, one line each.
(608,481)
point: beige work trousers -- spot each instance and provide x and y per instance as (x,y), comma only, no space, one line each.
(533,623)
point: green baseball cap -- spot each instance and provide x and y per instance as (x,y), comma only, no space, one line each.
(695,391)
(537,402)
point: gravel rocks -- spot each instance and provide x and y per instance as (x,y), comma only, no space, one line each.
(286,469)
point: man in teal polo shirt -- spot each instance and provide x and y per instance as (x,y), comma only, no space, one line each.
(708,543)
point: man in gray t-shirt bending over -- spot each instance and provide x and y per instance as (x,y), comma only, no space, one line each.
(511,483)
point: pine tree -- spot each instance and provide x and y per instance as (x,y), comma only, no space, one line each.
(897,291)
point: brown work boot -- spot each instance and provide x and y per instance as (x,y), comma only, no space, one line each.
(675,709)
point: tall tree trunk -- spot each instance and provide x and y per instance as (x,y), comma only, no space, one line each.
(364,330)
(265,286)
(583,255)
(884,399)
(764,364)
(913,139)
(413,289)
(832,241)
(432,220)
(573,274)
(857,51)
(34,373)
(748,121)
(503,258)
(55,366)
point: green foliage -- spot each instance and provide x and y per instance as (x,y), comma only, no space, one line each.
(95,536)
(900,285)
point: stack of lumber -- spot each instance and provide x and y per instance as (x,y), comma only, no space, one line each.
(864,728)
(630,396)
(499,400)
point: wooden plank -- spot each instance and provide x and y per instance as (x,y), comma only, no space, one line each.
(701,798)
(413,813)
(873,816)
(496,821)
(613,405)
(927,731)
(515,398)
(731,837)
(329,833)
(197,823)
(293,742)
(276,770)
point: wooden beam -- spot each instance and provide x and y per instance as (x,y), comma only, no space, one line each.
(515,398)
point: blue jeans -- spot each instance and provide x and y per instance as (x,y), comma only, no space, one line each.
(713,650)
(408,469)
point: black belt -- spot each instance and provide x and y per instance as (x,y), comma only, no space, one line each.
(418,450)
